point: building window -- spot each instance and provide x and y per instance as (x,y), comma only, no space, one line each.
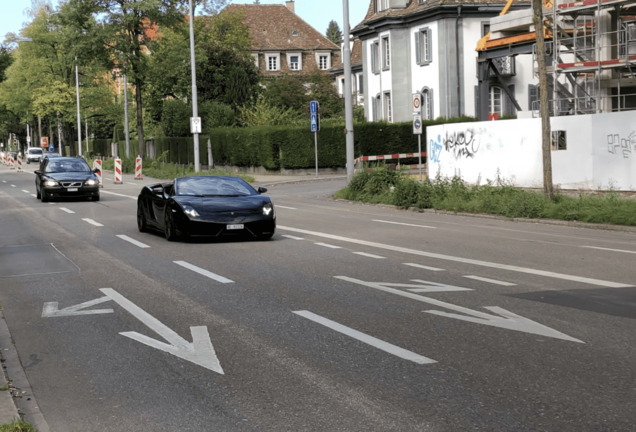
(388,111)
(423,46)
(386,53)
(375,57)
(427,103)
(533,97)
(273,62)
(381,5)
(255,57)
(495,100)
(559,140)
(360,84)
(323,60)
(294,61)
(376,106)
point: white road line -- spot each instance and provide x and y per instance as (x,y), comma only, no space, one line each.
(492,281)
(369,255)
(12,185)
(203,272)
(508,267)
(405,224)
(328,245)
(132,240)
(289,208)
(423,267)
(609,249)
(92,222)
(292,237)
(369,340)
(120,195)
(25,191)
(64,209)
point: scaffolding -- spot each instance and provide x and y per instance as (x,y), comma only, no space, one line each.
(592,55)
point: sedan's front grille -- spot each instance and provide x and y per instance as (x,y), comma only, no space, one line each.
(68,184)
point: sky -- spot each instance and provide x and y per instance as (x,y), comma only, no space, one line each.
(316,13)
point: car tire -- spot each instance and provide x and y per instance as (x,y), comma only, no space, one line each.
(169,228)
(43,197)
(265,237)
(142,225)
(95,197)
(38,195)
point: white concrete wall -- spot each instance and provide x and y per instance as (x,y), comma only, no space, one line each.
(600,153)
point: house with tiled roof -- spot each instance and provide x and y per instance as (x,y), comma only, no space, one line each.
(282,43)
(357,76)
(429,47)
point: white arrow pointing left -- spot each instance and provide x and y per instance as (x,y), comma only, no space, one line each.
(200,351)
(51,309)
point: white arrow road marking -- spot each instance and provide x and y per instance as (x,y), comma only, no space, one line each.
(369,340)
(506,320)
(507,267)
(51,309)
(200,351)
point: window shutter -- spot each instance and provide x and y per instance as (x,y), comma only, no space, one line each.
(429,46)
(418,50)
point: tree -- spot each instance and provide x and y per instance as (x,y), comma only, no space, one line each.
(333,32)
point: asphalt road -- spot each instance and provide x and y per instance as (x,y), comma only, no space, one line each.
(352,318)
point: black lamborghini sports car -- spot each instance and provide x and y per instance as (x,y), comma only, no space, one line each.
(209,206)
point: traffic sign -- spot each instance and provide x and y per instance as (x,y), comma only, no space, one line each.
(195,125)
(417,124)
(44,142)
(314,106)
(417,103)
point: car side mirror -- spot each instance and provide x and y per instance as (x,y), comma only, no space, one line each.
(262,189)
(37,172)
(96,170)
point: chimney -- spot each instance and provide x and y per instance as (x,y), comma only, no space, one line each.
(290,5)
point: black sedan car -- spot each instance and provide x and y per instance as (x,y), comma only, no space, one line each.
(66,177)
(209,206)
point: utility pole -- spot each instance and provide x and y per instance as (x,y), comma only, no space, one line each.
(346,53)
(544,106)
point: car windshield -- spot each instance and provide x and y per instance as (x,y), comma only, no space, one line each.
(66,165)
(35,151)
(213,186)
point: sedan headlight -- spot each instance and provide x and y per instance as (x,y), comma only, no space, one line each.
(90,182)
(50,183)
(268,209)
(190,211)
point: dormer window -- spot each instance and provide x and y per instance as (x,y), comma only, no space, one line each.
(381,5)
(295,33)
(323,60)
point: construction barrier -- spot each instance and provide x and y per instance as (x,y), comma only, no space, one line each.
(11,163)
(118,175)
(19,164)
(138,168)
(97,164)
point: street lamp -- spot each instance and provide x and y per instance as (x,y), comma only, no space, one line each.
(79,118)
(195,122)
(347,90)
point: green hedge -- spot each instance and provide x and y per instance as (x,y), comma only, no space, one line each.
(292,147)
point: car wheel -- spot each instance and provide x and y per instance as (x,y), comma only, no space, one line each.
(170,229)
(43,197)
(142,225)
(38,195)
(95,197)
(264,237)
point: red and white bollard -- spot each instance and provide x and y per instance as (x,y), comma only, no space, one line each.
(11,164)
(19,163)
(118,175)
(138,168)
(97,164)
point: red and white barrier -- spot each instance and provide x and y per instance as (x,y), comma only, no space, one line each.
(138,168)
(389,156)
(11,163)
(118,174)
(19,164)
(97,163)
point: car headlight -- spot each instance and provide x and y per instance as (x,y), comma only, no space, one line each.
(268,209)
(50,183)
(190,211)
(91,182)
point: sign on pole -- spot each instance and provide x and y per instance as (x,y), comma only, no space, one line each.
(314,115)
(195,125)
(417,124)
(417,104)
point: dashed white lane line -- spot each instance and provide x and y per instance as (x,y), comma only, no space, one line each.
(25,191)
(328,245)
(203,272)
(64,209)
(132,240)
(609,249)
(365,338)
(119,195)
(285,207)
(92,222)
(507,267)
(292,237)
(423,267)
(405,224)
(492,281)
(369,255)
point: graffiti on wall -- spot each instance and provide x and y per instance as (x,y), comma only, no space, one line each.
(461,144)
(621,146)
